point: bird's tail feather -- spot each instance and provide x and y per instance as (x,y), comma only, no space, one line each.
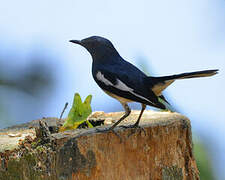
(158,84)
(187,75)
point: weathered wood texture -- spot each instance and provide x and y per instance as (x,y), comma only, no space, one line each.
(164,152)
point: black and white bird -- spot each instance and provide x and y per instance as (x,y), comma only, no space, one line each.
(125,82)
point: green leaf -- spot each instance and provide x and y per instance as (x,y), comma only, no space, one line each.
(78,113)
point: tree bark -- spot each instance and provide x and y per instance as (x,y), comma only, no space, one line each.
(163,151)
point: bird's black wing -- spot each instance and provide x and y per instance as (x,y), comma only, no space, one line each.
(125,84)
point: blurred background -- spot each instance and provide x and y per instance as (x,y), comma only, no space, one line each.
(40,70)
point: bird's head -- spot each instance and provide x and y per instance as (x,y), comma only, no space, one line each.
(98,47)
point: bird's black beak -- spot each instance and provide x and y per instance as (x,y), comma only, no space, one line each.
(76,42)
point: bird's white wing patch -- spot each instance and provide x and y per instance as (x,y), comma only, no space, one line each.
(119,85)
(101,78)
(122,86)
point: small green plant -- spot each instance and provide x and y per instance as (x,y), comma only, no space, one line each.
(78,113)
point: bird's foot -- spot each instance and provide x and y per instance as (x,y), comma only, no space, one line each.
(134,129)
(103,130)
(108,130)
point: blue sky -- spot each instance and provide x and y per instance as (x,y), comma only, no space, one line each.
(173,36)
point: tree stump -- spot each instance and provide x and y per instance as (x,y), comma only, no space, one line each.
(163,151)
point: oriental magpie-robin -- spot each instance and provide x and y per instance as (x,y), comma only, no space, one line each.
(125,82)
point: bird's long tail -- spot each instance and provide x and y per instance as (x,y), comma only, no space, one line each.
(187,75)
(158,84)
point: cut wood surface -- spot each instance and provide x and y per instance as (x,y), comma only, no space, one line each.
(163,151)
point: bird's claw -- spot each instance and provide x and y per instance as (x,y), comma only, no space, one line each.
(102,130)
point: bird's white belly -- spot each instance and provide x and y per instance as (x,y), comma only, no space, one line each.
(121,99)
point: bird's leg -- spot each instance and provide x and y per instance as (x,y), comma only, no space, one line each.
(138,120)
(136,124)
(127,113)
